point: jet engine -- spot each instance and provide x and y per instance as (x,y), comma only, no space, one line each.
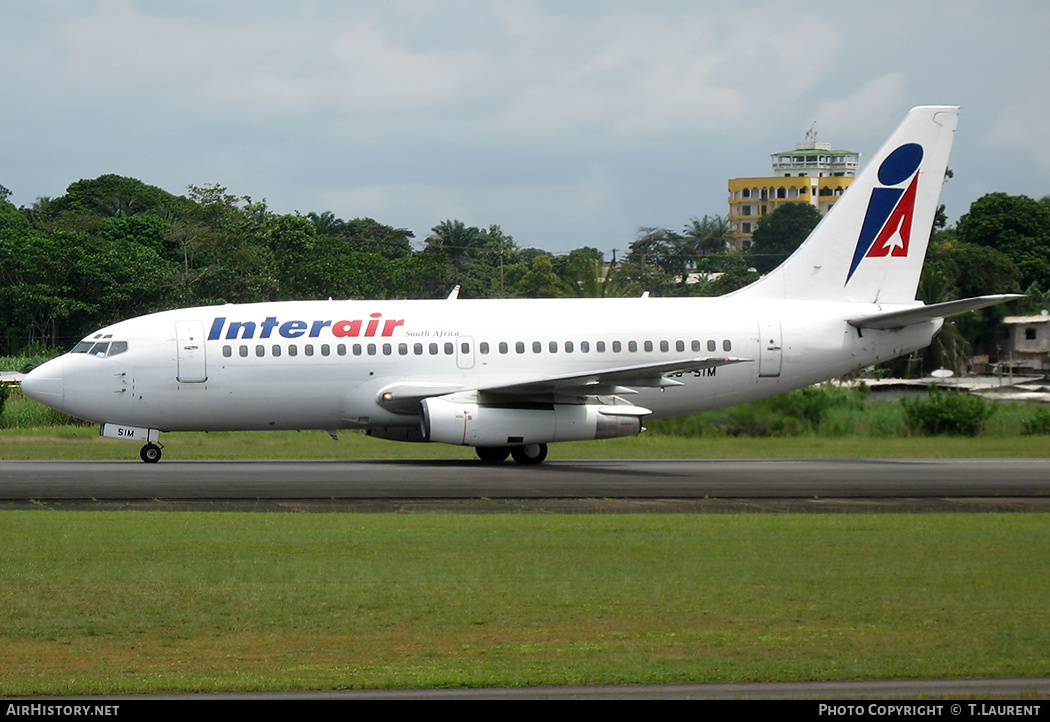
(467,423)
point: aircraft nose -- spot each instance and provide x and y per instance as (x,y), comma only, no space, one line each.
(46,383)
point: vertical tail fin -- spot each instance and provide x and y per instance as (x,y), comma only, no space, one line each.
(871,245)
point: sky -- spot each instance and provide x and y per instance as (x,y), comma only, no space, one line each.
(567,123)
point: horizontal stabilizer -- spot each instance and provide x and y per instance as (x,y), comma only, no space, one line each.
(921,314)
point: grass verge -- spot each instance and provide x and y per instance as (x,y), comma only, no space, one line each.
(150,602)
(79,442)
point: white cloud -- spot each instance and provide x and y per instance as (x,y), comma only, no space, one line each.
(1020,128)
(553,119)
(872,109)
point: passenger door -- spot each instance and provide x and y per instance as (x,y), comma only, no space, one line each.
(189,341)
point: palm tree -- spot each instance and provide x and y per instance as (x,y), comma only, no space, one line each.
(326,224)
(708,236)
(455,239)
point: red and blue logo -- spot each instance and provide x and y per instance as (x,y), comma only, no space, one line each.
(886,230)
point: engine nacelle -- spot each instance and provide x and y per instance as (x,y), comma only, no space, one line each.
(466,423)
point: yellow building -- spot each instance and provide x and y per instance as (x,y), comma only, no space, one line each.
(811,173)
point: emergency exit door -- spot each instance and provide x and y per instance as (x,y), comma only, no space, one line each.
(770,353)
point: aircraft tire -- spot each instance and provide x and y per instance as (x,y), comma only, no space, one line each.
(150,453)
(531,454)
(492,454)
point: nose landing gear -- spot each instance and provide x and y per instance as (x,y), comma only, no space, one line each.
(150,453)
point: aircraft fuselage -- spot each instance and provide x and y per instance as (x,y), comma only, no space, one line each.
(323,364)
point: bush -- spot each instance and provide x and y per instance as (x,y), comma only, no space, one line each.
(803,411)
(812,404)
(5,391)
(1038,423)
(946,414)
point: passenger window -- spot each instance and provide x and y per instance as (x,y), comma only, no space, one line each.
(648,346)
(711,346)
(309,349)
(503,348)
(417,349)
(293,350)
(520,347)
(483,347)
(260,351)
(679,346)
(617,347)
(433,349)
(585,347)
(632,346)
(341,349)
(402,348)
(568,347)
(275,350)
(600,347)
(696,345)
(665,347)
(357,349)
(227,351)
(243,351)
(326,350)
(387,349)
(371,349)
(537,347)
(727,345)
(553,346)
(449,349)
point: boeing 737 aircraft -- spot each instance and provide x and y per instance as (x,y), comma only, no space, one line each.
(510,377)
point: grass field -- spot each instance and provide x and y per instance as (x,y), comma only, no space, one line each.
(148,602)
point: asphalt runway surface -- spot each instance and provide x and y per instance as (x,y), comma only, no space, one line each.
(557,485)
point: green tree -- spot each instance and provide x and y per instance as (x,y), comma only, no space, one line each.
(1016,225)
(369,236)
(706,237)
(780,233)
(657,260)
(541,281)
(734,273)
(471,253)
(455,239)
(113,196)
(222,248)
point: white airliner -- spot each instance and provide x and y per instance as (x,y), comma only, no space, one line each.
(511,376)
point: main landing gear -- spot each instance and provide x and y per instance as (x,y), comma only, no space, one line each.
(528,454)
(150,453)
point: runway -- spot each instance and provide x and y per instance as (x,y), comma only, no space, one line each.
(569,485)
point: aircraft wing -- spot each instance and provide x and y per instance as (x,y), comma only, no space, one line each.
(920,314)
(405,397)
(617,380)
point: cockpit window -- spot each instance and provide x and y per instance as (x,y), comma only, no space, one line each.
(101,349)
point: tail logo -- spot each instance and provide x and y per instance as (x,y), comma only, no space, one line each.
(886,230)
